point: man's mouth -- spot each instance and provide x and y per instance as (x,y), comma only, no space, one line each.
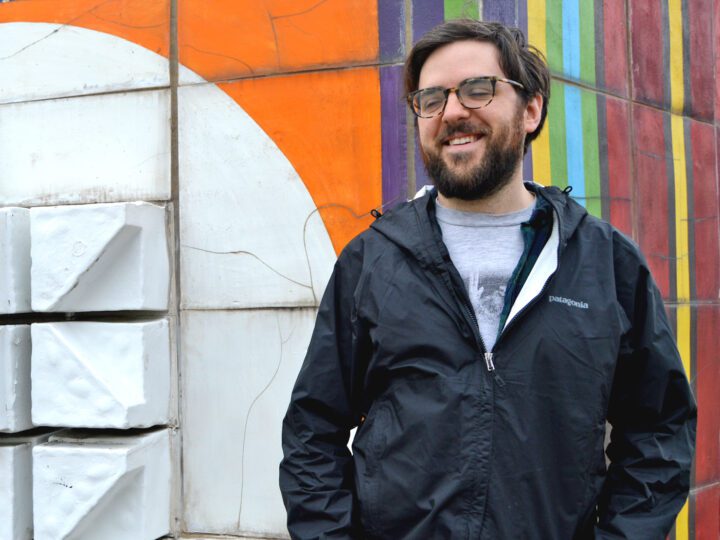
(464,139)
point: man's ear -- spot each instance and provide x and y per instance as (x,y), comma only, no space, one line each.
(532,113)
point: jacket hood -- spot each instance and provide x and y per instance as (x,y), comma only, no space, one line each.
(411,225)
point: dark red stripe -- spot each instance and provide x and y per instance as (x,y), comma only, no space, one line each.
(615,49)
(717,59)
(702,80)
(652,193)
(707,464)
(707,514)
(647,50)
(707,212)
(618,164)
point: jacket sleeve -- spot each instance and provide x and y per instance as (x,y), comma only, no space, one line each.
(653,416)
(316,473)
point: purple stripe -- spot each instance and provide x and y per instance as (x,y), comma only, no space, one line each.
(426,15)
(391,28)
(527,165)
(421,176)
(500,10)
(394,150)
(522,15)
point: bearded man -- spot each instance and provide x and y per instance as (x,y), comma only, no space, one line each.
(482,336)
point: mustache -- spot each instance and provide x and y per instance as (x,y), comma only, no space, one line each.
(463,127)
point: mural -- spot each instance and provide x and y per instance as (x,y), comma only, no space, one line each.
(271,129)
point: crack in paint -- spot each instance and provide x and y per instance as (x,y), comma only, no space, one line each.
(209,53)
(298,13)
(56,30)
(250,254)
(252,404)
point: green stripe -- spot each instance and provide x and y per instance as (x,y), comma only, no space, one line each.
(461,9)
(558,147)
(592,154)
(554,31)
(587,41)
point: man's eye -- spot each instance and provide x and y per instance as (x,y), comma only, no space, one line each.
(431,102)
(478,92)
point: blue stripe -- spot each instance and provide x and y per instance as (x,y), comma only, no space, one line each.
(574,142)
(571,38)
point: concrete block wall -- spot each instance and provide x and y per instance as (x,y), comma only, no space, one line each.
(268,130)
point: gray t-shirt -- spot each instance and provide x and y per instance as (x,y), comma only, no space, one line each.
(485,249)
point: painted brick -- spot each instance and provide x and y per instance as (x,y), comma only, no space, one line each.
(101,375)
(101,148)
(238,368)
(16,484)
(14,260)
(104,257)
(15,378)
(114,487)
(42,60)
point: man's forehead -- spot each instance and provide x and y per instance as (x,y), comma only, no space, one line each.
(459,60)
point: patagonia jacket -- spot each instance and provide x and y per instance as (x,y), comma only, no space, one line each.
(456,442)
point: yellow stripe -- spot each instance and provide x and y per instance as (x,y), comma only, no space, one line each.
(682,524)
(537,35)
(677,84)
(682,269)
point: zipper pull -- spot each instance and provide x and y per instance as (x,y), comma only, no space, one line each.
(491,368)
(489,362)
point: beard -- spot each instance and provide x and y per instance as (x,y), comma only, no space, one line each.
(502,156)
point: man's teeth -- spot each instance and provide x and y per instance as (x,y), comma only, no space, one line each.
(461,140)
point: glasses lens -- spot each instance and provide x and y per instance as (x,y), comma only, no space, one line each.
(429,102)
(476,92)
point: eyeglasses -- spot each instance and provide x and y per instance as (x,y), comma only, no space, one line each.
(474,93)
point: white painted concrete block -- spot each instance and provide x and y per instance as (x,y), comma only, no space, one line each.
(101,148)
(251,234)
(44,60)
(101,375)
(15,378)
(238,369)
(16,484)
(14,260)
(114,487)
(103,257)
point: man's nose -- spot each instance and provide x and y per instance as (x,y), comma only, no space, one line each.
(454,109)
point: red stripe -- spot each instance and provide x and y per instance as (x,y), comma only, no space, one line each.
(647,39)
(706,211)
(615,47)
(652,193)
(707,514)
(717,63)
(707,368)
(618,161)
(702,80)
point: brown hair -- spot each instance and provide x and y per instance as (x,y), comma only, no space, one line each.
(518,60)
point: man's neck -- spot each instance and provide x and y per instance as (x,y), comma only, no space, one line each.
(511,198)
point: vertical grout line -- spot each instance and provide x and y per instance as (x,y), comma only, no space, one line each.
(175,198)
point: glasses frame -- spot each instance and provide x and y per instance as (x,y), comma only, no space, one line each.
(446,92)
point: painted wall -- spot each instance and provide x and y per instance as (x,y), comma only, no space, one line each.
(270,129)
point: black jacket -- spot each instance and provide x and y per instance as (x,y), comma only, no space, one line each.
(456,443)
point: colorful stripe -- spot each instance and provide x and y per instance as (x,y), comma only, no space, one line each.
(537,32)
(462,9)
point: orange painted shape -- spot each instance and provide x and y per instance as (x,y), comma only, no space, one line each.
(328,125)
(139,21)
(225,39)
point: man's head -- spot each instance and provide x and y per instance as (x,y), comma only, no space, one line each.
(473,136)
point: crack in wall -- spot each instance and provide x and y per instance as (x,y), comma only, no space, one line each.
(250,408)
(250,254)
(56,30)
(220,55)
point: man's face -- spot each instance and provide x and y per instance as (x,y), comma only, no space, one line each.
(471,153)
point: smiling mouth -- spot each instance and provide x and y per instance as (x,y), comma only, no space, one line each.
(467,139)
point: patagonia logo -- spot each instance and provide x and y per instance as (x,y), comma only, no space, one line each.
(569,302)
